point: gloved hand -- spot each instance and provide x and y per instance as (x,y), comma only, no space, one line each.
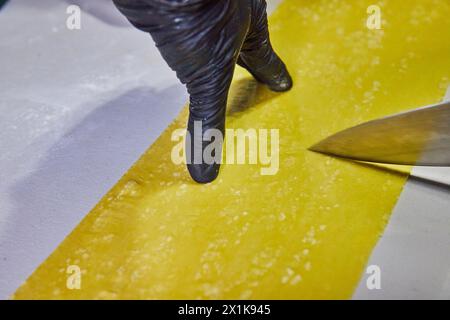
(202,40)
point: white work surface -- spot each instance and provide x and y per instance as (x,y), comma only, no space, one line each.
(79,107)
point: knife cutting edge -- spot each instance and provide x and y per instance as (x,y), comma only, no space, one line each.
(420,137)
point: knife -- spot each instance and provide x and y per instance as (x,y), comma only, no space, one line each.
(420,137)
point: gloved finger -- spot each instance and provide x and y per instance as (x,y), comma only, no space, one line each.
(200,40)
(257,54)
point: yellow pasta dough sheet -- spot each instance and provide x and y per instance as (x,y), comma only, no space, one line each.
(306,232)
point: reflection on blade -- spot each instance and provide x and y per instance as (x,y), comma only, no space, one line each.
(420,137)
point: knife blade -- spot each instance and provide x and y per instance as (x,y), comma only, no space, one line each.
(419,137)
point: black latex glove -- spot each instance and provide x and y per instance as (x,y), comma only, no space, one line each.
(202,40)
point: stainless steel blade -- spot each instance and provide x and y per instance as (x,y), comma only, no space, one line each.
(420,137)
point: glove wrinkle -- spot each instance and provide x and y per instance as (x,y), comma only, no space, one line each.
(202,41)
